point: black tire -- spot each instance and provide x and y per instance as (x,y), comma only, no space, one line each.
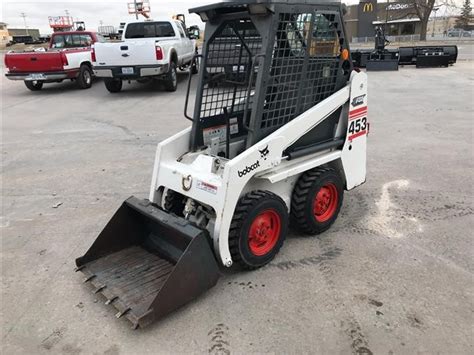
(195,66)
(171,80)
(34,85)
(84,80)
(174,202)
(316,200)
(113,85)
(250,222)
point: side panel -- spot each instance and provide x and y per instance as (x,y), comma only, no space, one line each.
(76,58)
(168,150)
(354,154)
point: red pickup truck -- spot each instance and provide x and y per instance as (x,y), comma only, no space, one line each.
(67,57)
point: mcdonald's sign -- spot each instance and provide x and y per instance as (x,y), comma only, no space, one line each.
(368,7)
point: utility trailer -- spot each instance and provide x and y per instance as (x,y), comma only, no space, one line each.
(274,142)
(428,56)
(381,58)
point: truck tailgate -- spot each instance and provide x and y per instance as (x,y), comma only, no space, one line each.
(31,62)
(139,52)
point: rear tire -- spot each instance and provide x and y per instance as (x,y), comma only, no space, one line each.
(171,81)
(34,85)
(258,229)
(84,80)
(113,85)
(316,200)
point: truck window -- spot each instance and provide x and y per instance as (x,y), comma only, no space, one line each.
(82,40)
(149,29)
(101,39)
(72,41)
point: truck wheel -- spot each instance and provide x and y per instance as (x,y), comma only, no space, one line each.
(113,85)
(34,85)
(171,81)
(174,203)
(195,66)
(317,200)
(84,80)
(258,229)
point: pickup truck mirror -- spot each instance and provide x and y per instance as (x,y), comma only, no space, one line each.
(194,33)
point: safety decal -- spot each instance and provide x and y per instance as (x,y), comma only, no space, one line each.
(358,112)
(219,132)
(205,186)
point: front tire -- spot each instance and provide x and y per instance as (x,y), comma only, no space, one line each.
(84,80)
(258,229)
(174,202)
(113,85)
(171,81)
(34,85)
(195,66)
(316,200)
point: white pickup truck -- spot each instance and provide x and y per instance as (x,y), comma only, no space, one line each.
(148,50)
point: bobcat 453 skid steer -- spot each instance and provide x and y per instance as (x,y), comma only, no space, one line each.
(278,133)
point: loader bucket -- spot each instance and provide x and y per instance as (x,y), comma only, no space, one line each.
(147,262)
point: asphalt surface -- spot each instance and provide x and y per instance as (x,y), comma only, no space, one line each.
(394,275)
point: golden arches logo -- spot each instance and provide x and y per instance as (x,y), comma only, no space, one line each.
(368,7)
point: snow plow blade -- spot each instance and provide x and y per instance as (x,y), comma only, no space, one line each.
(147,262)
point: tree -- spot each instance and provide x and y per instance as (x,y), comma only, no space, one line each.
(466,16)
(423,10)
(344,9)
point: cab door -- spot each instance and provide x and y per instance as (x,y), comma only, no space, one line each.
(187,45)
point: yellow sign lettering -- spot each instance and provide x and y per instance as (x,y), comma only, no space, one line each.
(368,7)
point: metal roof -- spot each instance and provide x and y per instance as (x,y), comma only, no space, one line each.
(245,3)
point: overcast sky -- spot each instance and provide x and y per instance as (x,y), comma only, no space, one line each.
(110,12)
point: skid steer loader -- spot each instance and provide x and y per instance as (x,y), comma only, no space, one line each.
(278,133)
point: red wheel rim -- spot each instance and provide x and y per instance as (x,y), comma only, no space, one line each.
(264,232)
(325,202)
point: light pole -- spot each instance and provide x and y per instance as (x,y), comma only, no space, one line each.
(24,20)
(435,9)
(136,8)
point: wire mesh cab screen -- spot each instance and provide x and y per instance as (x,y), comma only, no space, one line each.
(304,70)
(282,67)
(225,87)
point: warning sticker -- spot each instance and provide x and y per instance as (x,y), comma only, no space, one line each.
(205,186)
(219,132)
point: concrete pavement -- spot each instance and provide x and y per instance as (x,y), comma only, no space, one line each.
(393,276)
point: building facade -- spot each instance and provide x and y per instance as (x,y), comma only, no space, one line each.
(33,32)
(399,18)
(4,34)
